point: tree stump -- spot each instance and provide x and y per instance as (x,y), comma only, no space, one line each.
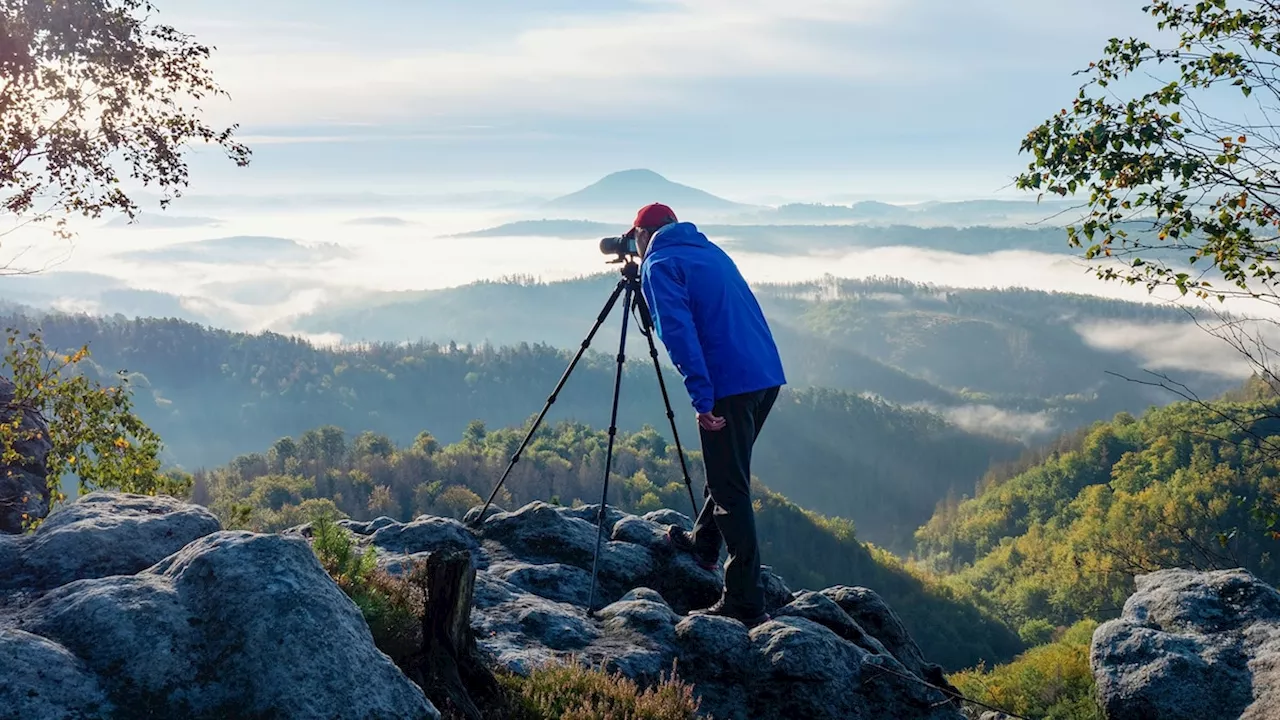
(451,668)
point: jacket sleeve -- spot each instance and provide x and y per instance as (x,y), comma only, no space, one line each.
(668,299)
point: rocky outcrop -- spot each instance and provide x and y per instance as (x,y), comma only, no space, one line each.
(123,606)
(128,606)
(24,490)
(1191,645)
(838,653)
(101,534)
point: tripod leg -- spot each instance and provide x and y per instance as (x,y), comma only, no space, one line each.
(646,327)
(604,313)
(608,458)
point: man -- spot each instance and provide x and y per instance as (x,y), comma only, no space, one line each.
(715,333)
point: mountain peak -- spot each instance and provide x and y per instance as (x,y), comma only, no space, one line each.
(634,175)
(636,187)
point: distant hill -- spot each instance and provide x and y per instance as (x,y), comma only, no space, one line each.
(575,229)
(213,395)
(380,221)
(800,239)
(633,189)
(1015,360)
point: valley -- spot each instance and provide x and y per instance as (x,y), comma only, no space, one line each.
(976,452)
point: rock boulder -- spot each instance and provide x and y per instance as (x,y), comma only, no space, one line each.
(1191,645)
(24,489)
(220,624)
(829,654)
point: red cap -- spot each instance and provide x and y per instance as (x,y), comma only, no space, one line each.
(652,216)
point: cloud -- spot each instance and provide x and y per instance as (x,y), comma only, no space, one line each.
(633,61)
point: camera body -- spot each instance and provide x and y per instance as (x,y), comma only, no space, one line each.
(619,246)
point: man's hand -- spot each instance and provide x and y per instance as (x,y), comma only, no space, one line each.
(709,421)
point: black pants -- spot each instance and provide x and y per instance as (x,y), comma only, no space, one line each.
(728,515)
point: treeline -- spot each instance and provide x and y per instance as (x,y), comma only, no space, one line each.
(369,475)
(1017,350)
(213,395)
(1189,485)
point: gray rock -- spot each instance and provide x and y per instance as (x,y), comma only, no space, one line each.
(591,513)
(23,495)
(714,647)
(543,533)
(382,521)
(644,593)
(473,515)
(873,615)
(425,534)
(685,585)
(665,517)
(823,610)
(24,487)
(795,652)
(102,534)
(217,626)
(491,591)
(44,681)
(776,592)
(647,618)
(640,532)
(524,630)
(554,581)
(221,621)
(1191,645)
(365,527)
(359,527)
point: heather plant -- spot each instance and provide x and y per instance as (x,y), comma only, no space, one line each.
(573,692)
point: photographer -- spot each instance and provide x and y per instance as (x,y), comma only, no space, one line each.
(716,335)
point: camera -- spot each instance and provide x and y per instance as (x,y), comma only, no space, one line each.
(619,246)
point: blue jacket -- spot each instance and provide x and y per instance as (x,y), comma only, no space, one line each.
(707,317)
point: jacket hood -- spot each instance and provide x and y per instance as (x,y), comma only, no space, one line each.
(679,233)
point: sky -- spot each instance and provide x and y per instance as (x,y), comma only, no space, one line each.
(757,100)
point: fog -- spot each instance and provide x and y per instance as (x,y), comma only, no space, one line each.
(408,249)
(1212,348)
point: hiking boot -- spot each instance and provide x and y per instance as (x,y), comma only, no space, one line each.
(719,609)
(680,540)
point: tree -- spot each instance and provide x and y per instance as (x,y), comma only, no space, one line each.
(92,431)
(92,90)
(1180,172)
(1196,170)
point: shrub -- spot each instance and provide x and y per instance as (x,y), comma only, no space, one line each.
(1052,681)
(93,432)
(573,692)
(1036,632)
(389,604)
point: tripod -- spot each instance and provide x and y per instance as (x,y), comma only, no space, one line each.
(629,287)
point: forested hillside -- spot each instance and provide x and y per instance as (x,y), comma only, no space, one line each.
(367,475)
(213,395)
(1058,538)
(1018,351)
